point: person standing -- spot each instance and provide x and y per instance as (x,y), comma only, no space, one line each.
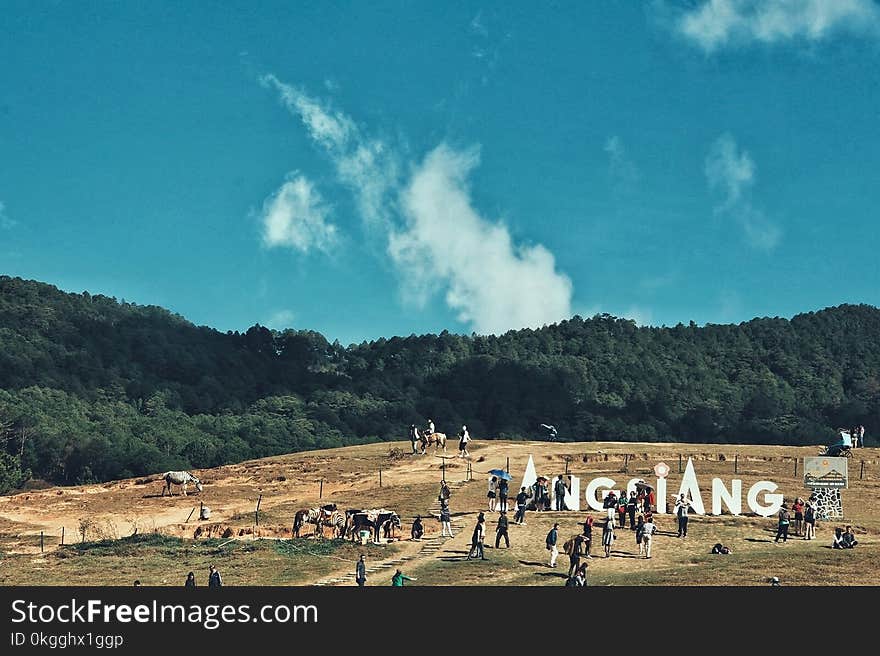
(608,536)
(445,519)
(398,579)
(809,522)
(648,536)
(588,536)
(782,526)
(640,534)
(559,490)
(522,500)
(503,487)
(631,507)
(577,552)
(463,439)
(610,504)
(445,493)
(798,508)
(492,493)
(682,507)
(190,580)
(478,538)
(414,438)
(360,571)
(621,509)
(214,578)
(551,540)
(501,530)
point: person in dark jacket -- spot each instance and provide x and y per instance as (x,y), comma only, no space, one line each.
(503,487)
(522,500)
(782,527)
(360,572)
(552,537)
(190,580)
(559,490)
(631,507)
(501,530)
(417,529)
(214,579)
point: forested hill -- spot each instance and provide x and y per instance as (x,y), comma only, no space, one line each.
(94,389)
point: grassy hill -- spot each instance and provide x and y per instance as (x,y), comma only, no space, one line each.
(133,532)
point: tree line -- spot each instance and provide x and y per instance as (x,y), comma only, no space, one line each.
(94,389)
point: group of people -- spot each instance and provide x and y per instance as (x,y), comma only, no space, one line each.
(854,437)
(804,519)
(844,538)
(360,574)
(463,438)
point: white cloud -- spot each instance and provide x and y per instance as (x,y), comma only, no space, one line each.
(280,319)
(296,216)
(717,24)
(367,166)
(624,172)
(492,283)
(6,223)
(436,239)
(731,171)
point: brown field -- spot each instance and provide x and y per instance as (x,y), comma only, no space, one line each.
(132,532)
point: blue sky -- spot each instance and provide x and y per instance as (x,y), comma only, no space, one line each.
(388,168)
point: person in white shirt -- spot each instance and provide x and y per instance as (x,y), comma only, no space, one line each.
(648,537)
(430,427)
(463,438)
(682,506)
(492,494)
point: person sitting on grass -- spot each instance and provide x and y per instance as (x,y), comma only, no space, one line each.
(417,528)
(837,542)
(721,549)
(849,538)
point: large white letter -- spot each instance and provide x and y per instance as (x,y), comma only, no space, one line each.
(690,486)
(775,500)
(573,494)
(594,485)
(661,496)
(732,499)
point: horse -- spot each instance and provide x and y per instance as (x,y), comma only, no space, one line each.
(437,439)
(316,516)
(375,520)
(182,478)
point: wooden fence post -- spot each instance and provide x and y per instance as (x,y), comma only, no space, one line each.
(625,463)
(795,467)
(735,463)
(62,536)
(679,463)
(321,490)
(257,511)
(41,542)
(566,465)
(862,470)
(507,466)
(190,515)
(380,477)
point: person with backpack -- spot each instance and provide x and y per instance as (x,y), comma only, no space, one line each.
(575,552)
(782,527)
(631,507)
(550,541)
(522,500)
(503,487)
(559,490)
(640,533)
(501,530)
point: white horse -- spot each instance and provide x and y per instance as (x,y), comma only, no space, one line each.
(182,478)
